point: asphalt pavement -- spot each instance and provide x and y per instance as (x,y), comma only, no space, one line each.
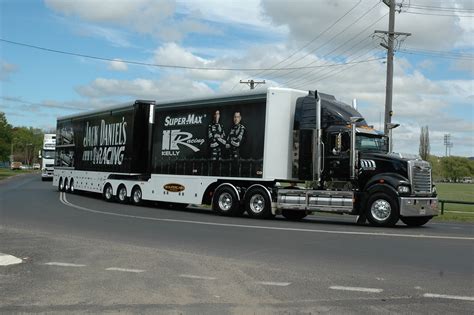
(81,254)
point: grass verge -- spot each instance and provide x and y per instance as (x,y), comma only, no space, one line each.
(6,172)
(460,192)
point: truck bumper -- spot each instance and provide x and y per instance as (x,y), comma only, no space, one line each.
(418,206)
(47,174)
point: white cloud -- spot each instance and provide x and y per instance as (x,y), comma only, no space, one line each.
(166,88)
(245,12)
(307,18)
(117,65)
(115,37)
(6,69)
(153,17)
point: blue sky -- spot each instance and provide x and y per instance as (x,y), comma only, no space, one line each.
(37,86)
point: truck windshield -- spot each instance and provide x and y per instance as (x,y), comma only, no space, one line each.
(48,154)
(371,143)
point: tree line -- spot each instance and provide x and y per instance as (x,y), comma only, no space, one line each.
(24,143)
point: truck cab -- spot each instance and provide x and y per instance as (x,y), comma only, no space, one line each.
(47,156)
(354,161)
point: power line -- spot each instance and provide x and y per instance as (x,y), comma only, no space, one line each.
(345,43)
(317,37)
(154,64)
(438,54)
(335,71)
(330,40)
(306,45)
(438,8)
(354,49)
(437,14)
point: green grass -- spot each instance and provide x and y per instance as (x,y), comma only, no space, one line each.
(6,172)
(460,192)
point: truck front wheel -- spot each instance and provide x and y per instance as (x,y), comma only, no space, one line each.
(416,221)
(382,210)
(258,204)
(225,202)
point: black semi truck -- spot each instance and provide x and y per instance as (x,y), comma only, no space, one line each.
(284,151)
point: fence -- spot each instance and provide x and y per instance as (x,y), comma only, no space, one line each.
(455,202)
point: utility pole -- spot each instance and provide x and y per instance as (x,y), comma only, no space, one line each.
(252,83)
(389,45)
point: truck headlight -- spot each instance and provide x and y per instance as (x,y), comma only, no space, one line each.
(403,189)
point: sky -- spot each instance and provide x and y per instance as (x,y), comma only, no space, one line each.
(60,57)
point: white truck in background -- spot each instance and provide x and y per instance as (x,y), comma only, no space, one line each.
(47,155)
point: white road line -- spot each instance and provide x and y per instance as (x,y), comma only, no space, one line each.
(278,284)
(125,269)
(358,289)
(62,264)
(6,260)
(197,277)
(64,200)
(451,297)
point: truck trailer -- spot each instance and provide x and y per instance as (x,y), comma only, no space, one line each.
(282,151)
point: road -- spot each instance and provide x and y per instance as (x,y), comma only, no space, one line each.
(81,254)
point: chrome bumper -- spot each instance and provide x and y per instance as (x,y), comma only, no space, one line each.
(418,206)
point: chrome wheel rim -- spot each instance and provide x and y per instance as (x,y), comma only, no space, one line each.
(122,193)
(137,195)
(257,203)
(381,209)
(225,201)
(71,186)
(108,192)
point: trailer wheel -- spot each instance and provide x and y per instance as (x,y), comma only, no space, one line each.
(257,203)
(225,202)
(108,193)
(122,194)
(416,221)
(137,196)
(66,185)
(294,215)
(60,184)
(383,210)
(71,185)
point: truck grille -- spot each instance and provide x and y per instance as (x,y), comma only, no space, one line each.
(420,177)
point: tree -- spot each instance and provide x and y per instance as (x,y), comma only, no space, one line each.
(455,167)
(424,143)
(5,138)
(26,143)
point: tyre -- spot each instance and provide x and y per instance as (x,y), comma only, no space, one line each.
(71,185)
(382,210)
(294,215)
(66,185)
(108,193)
(226,202)
(257,203)
(122,194)
(415,221)
(43,179)
(137,196)
(60,184)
